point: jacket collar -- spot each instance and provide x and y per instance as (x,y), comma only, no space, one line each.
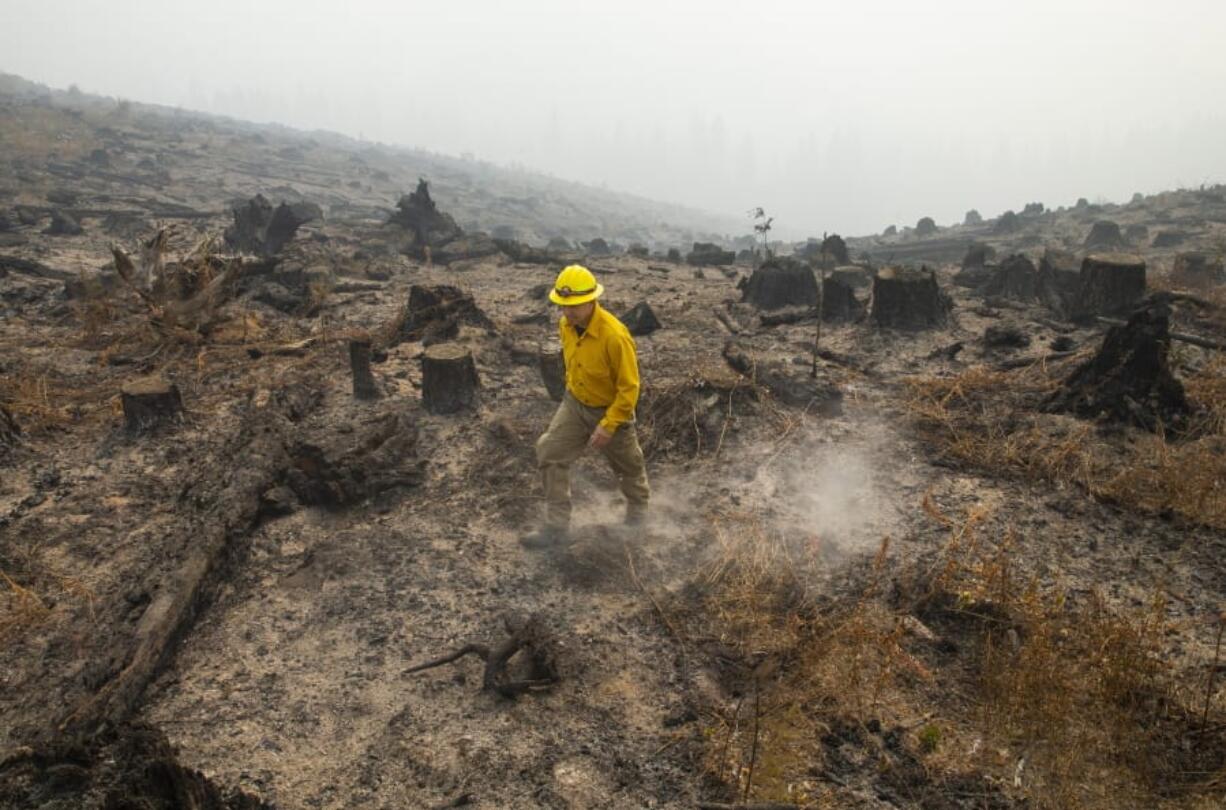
(595,324)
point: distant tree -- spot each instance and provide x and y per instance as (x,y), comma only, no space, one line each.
(925,227)
(762,225)
(972,218)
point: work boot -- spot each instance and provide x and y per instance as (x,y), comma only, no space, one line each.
(636,516)
(547,537)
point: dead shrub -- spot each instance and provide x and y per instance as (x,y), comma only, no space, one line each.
(990,420)
(690,417)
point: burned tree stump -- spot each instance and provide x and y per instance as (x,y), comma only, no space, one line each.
(641,320)
(149,403)
(781,282)
(553,370)
(1105,234)
(839,303)
(1110,284)
(260,229)
(1198,270)
(908,299)
(1015,279)
(1128,380)
(449,382)
(434,314)
(1058,282)
(975,265)
(359,363)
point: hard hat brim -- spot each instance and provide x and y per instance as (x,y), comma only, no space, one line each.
(575,300)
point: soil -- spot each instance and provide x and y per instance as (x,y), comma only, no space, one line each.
(257,582)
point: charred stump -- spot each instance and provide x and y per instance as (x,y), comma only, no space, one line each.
(449,382)
(1104,235)
(1058,282)
(434,314)
(1198,270)
(839,303)
(908,299)
(149,403)
(260,229)
(641,320)
(1110,284)
(428,227)
(834,250)
(1015,279)
(779,283)
(553,370)
(359,363)
(709,253)
(975,265)
(1129,379)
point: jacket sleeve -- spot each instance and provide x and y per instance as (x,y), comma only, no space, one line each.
(624,363)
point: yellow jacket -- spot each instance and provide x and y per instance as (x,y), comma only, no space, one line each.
(602,369)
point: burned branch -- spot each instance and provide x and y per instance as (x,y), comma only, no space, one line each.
(528,636)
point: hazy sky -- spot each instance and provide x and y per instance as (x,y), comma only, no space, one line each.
(833,116)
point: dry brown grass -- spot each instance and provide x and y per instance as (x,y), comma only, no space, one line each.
(21,609)
(36,400)
(990,420)
(36,132)
(1064,701)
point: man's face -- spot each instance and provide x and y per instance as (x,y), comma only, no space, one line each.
(578,314)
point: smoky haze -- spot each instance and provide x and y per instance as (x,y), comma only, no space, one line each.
(833,117)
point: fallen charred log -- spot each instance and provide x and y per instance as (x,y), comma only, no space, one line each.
(125,766)
(336,471)
(223,504)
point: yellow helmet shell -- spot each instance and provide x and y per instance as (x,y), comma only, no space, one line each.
(575,285)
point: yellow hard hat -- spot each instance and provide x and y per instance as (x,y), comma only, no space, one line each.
(575,285)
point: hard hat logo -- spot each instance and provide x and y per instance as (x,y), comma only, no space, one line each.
(575,285)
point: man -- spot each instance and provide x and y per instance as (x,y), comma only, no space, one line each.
(597,410)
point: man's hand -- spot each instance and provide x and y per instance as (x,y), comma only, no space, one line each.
(600,437)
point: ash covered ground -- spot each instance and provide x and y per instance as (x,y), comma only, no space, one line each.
(966,557)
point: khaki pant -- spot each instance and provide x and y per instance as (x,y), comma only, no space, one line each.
(564,441)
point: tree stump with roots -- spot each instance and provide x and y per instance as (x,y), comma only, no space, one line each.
(1129,380)
(449,382)
(908,299)
(150,403)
